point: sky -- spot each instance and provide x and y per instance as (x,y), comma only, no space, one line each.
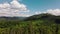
(26,8)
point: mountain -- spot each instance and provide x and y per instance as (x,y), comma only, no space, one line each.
(11,18)
(45,17)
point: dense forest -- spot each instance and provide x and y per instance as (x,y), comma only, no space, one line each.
(36,24)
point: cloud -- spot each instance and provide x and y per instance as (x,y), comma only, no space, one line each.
(40,12)
(13,9)
(50,11)
(54,11)
(16,5)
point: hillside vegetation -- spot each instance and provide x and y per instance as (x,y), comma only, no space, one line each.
(36,24)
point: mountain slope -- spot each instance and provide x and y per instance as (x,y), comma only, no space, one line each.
(12,18)
(45,17)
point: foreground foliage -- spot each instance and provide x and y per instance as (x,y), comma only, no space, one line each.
(45,24)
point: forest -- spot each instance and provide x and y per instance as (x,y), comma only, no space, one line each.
(36,24)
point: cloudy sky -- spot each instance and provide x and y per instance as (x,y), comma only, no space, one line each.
(27,8)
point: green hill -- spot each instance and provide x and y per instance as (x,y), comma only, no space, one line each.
(45,17)
(36,24)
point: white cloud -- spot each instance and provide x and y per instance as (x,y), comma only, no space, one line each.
(13,9)
(54,11)
(16,5)
(50,11)
(38,12)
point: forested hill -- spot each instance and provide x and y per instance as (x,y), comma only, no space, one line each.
(48,17)
(36,24)
(11,18)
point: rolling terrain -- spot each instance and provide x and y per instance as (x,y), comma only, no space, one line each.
(36,24)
